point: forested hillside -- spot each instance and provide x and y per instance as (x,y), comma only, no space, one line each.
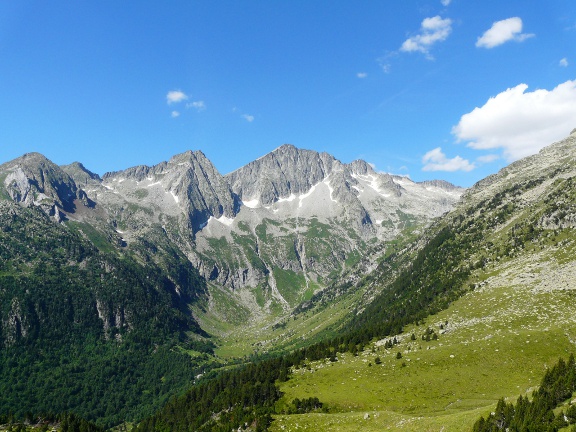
(99,334)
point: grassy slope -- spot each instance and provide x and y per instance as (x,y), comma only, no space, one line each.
(499,340)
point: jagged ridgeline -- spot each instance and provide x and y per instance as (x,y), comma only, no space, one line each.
(272,233)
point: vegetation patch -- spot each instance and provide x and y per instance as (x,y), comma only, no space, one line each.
(141,193)
(97,238)
(3,192)
(290,284)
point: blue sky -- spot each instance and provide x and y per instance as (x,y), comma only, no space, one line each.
(427,88)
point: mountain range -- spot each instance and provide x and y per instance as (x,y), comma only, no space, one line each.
(154,278)
(274,231)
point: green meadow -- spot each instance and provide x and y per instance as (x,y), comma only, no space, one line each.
(496,341)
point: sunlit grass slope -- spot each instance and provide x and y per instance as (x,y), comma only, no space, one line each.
(499,340)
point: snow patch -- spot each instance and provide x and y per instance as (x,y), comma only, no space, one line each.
(175,197)
(327,183)
(292,197)
(224,220)
(403,182)
(371,181)
(153,184)
(255,203)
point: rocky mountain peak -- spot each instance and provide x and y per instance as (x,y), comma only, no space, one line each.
(189,155)
(285,171)
(80,174)
(32,179)
(187,183)
(361,167)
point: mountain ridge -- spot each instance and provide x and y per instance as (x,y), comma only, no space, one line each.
(279,228)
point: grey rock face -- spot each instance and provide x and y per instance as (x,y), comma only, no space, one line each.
(196,186)
(285,171)
(81,175)
(440,184)
(34,180)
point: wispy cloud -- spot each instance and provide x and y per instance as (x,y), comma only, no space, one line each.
(501,32)
(446,2)
(384,63)
(175,96)
(432,31)
(519,122)
(361,74)
(436,160)
(249,118)
(197,105)
(563,62)
(175,114)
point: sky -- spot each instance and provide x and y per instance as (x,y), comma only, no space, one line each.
(431,89)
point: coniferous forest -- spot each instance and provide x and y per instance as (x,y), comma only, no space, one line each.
(57,289)
(537,413)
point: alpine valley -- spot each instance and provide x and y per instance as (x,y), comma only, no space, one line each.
(295,293)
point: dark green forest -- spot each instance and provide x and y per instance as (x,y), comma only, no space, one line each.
(98,334)
(537,414)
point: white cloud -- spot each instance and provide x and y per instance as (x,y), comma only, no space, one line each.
(198,105)
(446,2)
(519,122)
(175,114)
(563,62)
(436,160)
(501,32)
(432,30)
(249,118)
(361,74)
(175,96)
